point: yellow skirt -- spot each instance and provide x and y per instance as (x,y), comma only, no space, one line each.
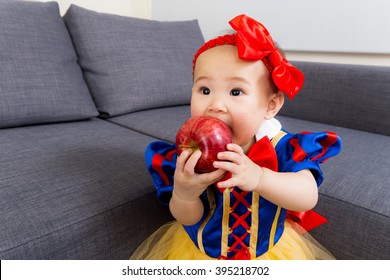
(171,242)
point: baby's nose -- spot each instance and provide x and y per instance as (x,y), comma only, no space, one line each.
(217,104)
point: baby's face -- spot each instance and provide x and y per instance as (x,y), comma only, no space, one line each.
(232,90)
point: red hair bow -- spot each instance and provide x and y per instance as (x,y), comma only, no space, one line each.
(255,43)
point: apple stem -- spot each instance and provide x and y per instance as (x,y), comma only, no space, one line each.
(193,146)
(185,146)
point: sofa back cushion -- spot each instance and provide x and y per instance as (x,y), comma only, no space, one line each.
(133,64)
(352,96)
(40,80)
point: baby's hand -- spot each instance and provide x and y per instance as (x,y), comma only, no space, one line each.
(189,185)
(245,173)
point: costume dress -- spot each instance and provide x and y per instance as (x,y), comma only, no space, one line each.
(237,224)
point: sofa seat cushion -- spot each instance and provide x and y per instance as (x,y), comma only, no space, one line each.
(354,195)
(131,64)
(75,190)
(40,80)
(162,123)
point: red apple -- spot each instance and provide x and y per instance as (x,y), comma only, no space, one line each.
(207,134)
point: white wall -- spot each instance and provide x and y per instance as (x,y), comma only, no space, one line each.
(340,31)
(136,8)
(344,31)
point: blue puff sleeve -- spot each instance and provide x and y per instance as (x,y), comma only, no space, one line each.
(307,150)
(161,163)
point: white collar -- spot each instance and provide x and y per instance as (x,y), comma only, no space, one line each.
(268,128)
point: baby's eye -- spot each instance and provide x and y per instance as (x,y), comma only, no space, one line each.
(235,92)
(205,90)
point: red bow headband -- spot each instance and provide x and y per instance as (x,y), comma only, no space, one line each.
(253,43)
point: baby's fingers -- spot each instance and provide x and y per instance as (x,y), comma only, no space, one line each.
(234,154)
(227,183)
(230,157)
(231,167)
(191,162)
(182,159)
(210,178)
(235,148)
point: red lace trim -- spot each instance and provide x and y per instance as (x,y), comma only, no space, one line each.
(239,249)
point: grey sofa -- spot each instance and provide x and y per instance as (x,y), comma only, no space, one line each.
(81,97)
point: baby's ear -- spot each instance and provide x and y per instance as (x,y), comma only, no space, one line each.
(275,103)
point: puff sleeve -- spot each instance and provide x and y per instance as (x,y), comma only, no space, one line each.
(161,162)
(307,150)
